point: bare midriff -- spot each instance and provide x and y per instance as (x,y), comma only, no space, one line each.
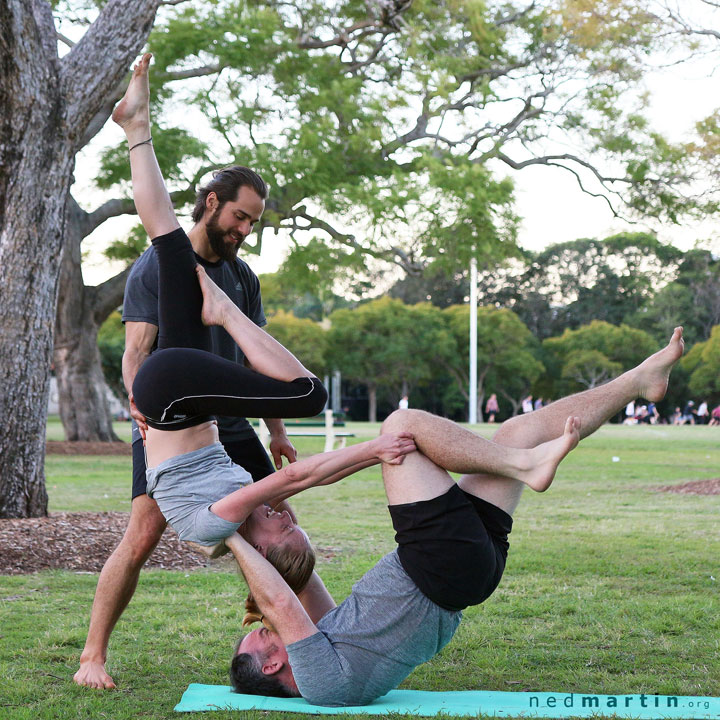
(162,445)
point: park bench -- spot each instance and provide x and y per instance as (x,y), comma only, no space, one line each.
(329,432)
(340,436)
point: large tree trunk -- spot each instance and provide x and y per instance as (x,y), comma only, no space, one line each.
(479,405)
(35,171)
(82,390)
(47,104)
(515,402)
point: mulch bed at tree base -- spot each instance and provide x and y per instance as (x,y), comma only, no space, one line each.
(80,541)
(694,487)
(55,447)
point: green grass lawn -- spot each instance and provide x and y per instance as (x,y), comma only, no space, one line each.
(611,587)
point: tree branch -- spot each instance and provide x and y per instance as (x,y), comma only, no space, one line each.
(109,295)
(101,117)
(100,60)
(63,39)
(510,19)
(42,14)
(308,42)
(687,29)
(109,209)
(192,72)
(126,206)
(394,254)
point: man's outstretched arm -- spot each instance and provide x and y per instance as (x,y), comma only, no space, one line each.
(277,602)
(315,598)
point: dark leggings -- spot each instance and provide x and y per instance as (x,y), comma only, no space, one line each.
(183,384)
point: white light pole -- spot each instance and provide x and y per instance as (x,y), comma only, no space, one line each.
(472,414)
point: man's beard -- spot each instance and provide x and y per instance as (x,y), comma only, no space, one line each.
(224,249)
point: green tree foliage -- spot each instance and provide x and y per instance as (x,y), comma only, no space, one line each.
(435,286)
(589,368)
(111,343)
(387,129)
(703,364)
(580,359)
(278,294)
(304,338)
(387,344)
(691,300)
(672,306)
(570,284)
(507,361)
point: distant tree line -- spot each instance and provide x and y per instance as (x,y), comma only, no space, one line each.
(559,321)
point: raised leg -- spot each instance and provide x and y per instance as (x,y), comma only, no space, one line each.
(448,447)
(179,299)
(592,407)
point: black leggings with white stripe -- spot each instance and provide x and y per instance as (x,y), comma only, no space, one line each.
(183,384)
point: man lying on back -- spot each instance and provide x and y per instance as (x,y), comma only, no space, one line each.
(452,546)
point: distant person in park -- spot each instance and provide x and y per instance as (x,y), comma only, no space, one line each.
(702,413)
(225,212)
(491,408)
(715,416)
(403,403)
(688,413)
(452,546)
(537,405)
(630,413)
(527,404)
(653,414)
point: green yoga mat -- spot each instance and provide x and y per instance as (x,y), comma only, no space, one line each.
(470,702)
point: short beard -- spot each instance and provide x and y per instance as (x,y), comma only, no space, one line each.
(216,237)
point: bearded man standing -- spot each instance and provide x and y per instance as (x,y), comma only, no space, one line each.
(226,209)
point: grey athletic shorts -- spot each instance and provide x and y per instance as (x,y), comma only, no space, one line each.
(185,487)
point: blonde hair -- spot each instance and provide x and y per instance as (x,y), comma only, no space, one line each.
(295,567)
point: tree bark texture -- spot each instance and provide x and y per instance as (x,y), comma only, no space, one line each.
(47,104)
(82,390)
(372,402)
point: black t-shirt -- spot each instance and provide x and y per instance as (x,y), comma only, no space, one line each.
(238,282)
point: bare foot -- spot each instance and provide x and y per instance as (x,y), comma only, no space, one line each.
(545,458)
(135,105)
(653,373)
(215,301)
(92,674)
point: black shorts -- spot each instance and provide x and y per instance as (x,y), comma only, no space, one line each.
(453,547)
(248,453)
